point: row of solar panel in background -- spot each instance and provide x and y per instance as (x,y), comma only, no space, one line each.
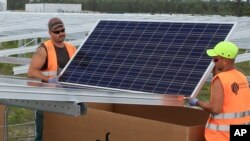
(156,57)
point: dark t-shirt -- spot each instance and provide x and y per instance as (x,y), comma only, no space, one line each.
(62,56)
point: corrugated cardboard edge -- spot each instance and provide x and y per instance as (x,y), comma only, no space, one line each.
(98,124)
(2,111)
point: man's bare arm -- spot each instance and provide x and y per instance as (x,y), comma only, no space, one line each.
(217,98)
(37,62)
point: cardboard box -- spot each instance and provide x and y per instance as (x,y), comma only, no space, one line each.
(117,122)
(2,111)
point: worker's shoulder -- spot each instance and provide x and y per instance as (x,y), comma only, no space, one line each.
(41,47)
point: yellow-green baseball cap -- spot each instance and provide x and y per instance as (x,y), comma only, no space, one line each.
(224,49)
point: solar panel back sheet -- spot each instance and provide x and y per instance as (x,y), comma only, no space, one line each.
(145,56)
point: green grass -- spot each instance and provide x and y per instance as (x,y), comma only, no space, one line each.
(6,69)
(20,123)
(244,67)
(204,93)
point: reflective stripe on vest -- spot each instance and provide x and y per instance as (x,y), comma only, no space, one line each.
(217,127)
(49,73)
(230,115)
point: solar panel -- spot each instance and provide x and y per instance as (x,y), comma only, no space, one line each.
(145,56)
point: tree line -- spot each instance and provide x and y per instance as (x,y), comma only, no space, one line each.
(212,7)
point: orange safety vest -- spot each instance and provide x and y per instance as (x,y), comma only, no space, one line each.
(52,59)
(236,106)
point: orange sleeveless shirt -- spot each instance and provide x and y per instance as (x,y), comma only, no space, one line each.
(52,60)
(236,106)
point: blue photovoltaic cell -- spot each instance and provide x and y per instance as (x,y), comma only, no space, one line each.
(156,57)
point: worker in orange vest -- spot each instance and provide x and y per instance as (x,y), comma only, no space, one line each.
(230,98)
(49,58)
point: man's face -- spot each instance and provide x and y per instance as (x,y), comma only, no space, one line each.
(219,62)
(58,34)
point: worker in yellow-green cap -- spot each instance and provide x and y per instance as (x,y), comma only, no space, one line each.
(230,98)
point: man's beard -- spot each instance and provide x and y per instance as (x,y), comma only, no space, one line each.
(61,39)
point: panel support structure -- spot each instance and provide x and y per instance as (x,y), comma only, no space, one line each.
(68,108)
(23,89)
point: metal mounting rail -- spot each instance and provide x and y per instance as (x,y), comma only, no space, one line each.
(17,87)
(31,90)
(68,108)
(15,60)
(42,34)
(242,57)
(28,49)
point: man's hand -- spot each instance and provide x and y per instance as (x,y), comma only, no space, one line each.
(53,80)
(192,101)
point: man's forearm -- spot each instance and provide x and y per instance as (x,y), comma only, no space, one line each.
(37,74)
